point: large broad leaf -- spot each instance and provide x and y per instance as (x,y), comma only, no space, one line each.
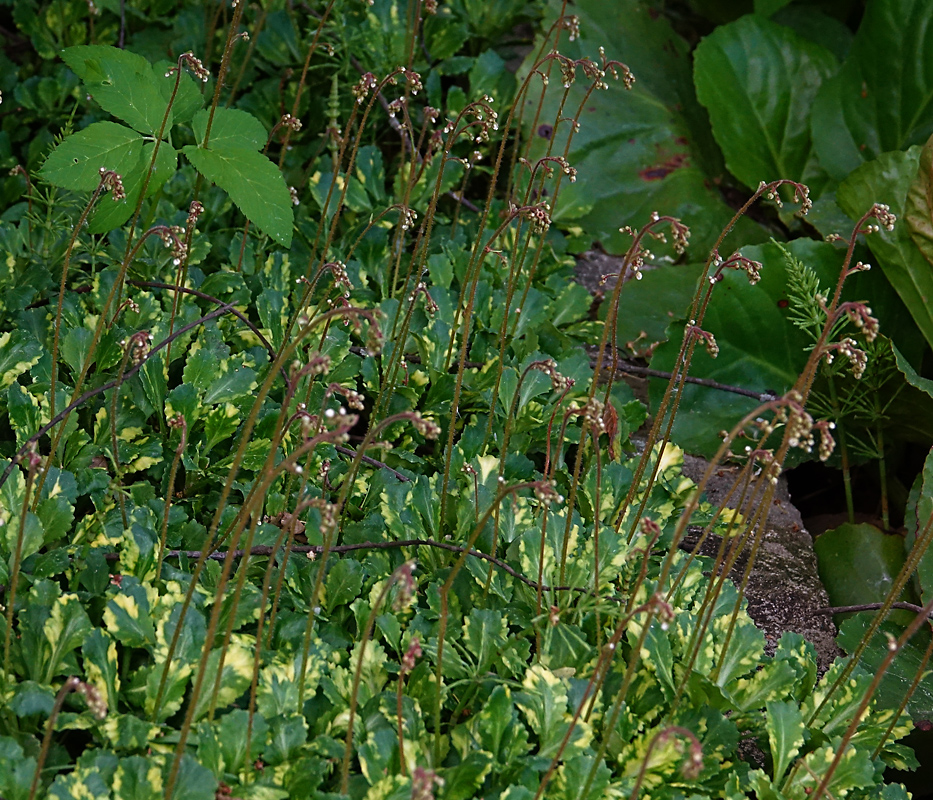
(757,80)
(887,180)
(763,351)
(859,563)
(254,184)
(647,306)
(122,83)
(760,349)
(899,677)
(638,151)
(76,163)
(917,517)
(882,98)
(918,211)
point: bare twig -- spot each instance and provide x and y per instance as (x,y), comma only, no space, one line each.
(634,369)
(869,607)
(313,550)
(108,386)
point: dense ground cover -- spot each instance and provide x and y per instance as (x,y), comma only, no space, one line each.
(308,486)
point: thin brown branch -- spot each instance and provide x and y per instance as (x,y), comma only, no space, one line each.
(313,550)
(869,607)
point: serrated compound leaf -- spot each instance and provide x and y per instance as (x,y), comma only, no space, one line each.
(188,98)
(230,128)
(122,83)
(758,79)
(76,163)
(109,214)
(882,98)
(887,180)
(254,184)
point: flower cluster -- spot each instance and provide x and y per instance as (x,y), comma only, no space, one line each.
(752,269)
(194,64)
(709,341)
(860,316)
(171,237)
(111,182)
(885,218)
(539,215)
(429,303)
(138,344)
(549,367)
(194,211)
(801,194)
(546,493)
(367,83)
(423,782)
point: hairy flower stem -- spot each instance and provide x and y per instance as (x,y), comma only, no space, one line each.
(358,672)
(68,687)
(843,448)
(180,423)
(893,649)
(15,568)
(501,494)
(61,298)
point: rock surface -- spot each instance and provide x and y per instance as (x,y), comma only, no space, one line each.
(784,591)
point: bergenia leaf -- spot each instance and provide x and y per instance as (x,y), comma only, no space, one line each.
(757,80)
(882,98)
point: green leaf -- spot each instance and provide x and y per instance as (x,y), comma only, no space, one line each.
(785,734)
(882,98)
(463,781)
(859,563)
(109,214)
(918,515)
(343,583)
(900,675)
(65,630)
(758,80)
(544,703)
(99,651)
(234,678)
(647,306)
(18,353)
(230,128)
(254,184)
(194,782)
(498,728)
(136,780)
(127,616)
(918,210)
(122,83)
(638,151)
(887,180)
(188,98)
(16,770)
(76,163)
(485,634)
